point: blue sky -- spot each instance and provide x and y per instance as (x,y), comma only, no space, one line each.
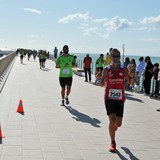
(87,26)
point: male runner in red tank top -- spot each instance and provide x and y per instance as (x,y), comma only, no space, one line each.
(114,79)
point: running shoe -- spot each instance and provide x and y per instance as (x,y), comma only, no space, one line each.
(67,100)
(112,147)
(63,102)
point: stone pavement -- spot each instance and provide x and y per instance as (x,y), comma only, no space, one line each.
(48,131)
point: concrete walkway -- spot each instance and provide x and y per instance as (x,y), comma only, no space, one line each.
(48,131)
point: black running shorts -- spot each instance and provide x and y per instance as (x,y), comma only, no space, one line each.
(113,106)
(65,81)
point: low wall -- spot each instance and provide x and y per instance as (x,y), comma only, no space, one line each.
(4,62)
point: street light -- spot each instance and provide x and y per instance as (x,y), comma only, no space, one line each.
(123,48)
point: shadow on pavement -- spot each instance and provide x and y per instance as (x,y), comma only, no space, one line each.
(131,156)
(130,97)
(46,69)
(120,155)
(83,117)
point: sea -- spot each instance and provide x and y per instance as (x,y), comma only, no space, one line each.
(95,56)
(80,57)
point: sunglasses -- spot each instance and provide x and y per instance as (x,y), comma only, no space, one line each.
(115,56)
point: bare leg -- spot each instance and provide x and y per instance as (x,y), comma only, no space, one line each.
(112,123)
(63,92)
(118,121)
(68,90)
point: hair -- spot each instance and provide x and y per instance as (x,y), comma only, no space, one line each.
(141,58)
(149,59)
(133,61)
(110,49)
(116,50)
(156,64)
(127,59)
(65,47)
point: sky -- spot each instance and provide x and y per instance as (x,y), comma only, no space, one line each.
(86,26)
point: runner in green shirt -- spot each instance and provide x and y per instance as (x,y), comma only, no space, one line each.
(65,62)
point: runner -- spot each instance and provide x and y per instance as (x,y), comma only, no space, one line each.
(21,52)
(65,62)
(114,80)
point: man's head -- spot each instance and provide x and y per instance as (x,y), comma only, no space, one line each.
(101,56)
(65,49)
(115,56)
(140,59)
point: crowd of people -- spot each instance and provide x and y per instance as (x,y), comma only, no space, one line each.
(142,72)
(41,54)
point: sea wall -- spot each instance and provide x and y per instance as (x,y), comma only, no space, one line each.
(5,62)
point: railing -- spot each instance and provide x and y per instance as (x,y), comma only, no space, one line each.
(6,64)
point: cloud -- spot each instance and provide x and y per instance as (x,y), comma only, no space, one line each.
(150,23)
(74,17)
(91,31)
(33,10)
(102,27)
(154,40)
(107,27)
(117,23)
(101,20)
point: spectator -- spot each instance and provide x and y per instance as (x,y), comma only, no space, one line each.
(55,52)
(108,59)
(131,72)
(87,67)
(139,70)
(100,62)
(148,75)
(155,74)
(127,62)
(98,77)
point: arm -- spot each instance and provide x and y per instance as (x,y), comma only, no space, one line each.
(74,64)
(104,78)
(126,74)
(57,63)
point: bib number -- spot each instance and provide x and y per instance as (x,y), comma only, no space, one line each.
(66,71)
(115,94)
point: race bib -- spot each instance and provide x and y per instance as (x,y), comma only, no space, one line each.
(66,71)
(115,94)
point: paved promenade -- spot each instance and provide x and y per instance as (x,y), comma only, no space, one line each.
(48,131)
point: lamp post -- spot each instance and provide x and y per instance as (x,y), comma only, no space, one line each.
(123,48)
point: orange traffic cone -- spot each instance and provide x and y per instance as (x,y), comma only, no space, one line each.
(20,107)
(1,133)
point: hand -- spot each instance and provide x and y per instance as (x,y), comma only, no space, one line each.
(102,84)
(57,66)
(75,65)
